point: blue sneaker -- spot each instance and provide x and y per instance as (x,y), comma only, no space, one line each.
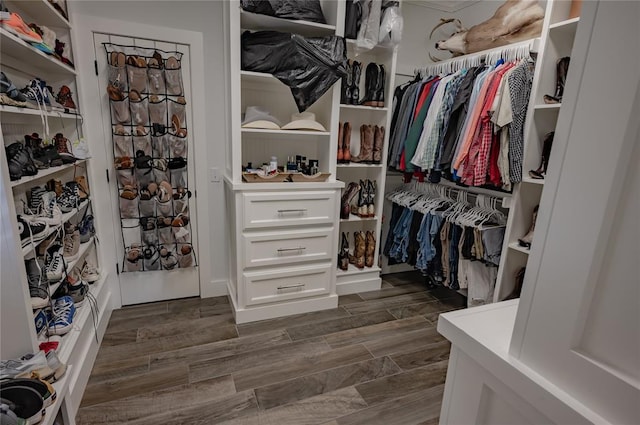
(61,320)
(40,319)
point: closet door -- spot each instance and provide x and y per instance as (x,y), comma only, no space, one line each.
(577,322)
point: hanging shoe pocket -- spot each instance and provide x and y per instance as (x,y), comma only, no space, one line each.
(147,207)
(118,77)
(178,170)
(156,81)
(139,111)
(144,168)
(177,146)
(122,145)
(120,111)
(168,257)
(160,146)
(160,170)
(178,108)
(158,110)
(151,258)
(128,207)
(137,78)
(185,256)
(165,209)
(142,143)
(182,234)
(126,177)
(173,76)
(165,235)
(133,257)
(131,233)
(149,235)
(181,206)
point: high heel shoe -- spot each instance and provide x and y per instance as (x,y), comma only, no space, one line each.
(345,205)
(526,240)
(541,172)
(343,252)
(562,68)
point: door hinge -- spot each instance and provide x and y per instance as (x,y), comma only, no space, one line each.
(195,193)
(117,269)
(95,64)
(107,171)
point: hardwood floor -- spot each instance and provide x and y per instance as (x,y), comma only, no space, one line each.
(376,359)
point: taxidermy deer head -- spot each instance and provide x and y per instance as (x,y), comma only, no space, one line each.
(514,21)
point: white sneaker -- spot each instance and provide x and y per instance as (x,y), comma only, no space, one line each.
(55,266)
(80,149)
(90,272)
(71,244)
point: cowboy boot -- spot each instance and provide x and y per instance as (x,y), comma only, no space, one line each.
(347,82)
(358,251)
(343,253)
(340,157)
(345,205)
(366,145)
(378,142)
(544,162)
(562,68)
(518,289)
(371,194)
(528,238)
(355,88)
(346,143)
(380,87)
(371,83)
(360,209)
(370,249)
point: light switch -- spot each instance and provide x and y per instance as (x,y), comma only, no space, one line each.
(214,175)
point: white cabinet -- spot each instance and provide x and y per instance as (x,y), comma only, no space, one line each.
(21,62)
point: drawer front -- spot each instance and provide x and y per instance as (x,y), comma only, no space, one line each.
(287,247)
(287,284)
(277,209)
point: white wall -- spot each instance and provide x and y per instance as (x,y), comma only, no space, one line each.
(205,17)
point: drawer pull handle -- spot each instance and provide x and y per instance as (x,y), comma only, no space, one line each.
(299,210)
(300,248)
(299,285)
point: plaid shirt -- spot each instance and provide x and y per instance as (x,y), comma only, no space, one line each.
(520,81)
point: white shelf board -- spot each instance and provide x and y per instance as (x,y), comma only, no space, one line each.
(257,22)
(354,218)
(516,247)
(14,110)
(69,340)
(61,386)
(364,108)
(358,165)
(353,270)
(549,106)
(378,49)
(40,11)
(286,133)
(337,184)
(33,58)
(45,173)
(568,25)
(533,181)
(82,252)
(65,217)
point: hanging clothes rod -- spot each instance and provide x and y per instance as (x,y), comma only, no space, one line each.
(511,52)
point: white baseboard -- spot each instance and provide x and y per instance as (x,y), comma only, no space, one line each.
(356,286)
(215,288)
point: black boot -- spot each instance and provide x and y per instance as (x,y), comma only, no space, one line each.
(371,83)
(561,78)
(343,252)
(355,88)
(544,162)
(347,82)
(380,87)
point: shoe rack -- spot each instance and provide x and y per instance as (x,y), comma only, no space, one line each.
(283,235)
(21,62)
(355,279)
(556,42)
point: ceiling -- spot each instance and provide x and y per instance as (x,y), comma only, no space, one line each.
(443,5)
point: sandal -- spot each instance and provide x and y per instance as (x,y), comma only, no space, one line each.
(165,192)
(129,192)
(175,123)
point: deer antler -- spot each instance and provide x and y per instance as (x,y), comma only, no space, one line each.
(444,21)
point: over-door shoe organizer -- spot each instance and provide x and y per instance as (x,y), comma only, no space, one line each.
(150,138)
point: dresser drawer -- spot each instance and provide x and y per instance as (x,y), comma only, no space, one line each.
(287,247)
(287,284)
(275,209)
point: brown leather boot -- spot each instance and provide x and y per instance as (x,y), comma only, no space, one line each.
(366,145)
(346,143)
(526,240)
(340,157)
(370,249)
(343,252)
(345,205)
(358,252)
(378,142)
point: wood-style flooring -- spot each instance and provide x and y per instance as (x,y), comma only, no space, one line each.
(376,359)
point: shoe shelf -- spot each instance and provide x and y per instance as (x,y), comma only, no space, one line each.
(83,313)
(353,270)
(41,12)
(516,247)
(6,111)
(352,46)
(257,22)
(30,57)
(46,173)
(65,217)
(358,165)
(532,180)
(61,386)
(364,107)
(567,27)
(82,252)
(549,106)
(354,218)
(286,133)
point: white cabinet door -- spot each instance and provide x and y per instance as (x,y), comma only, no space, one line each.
(578,321)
